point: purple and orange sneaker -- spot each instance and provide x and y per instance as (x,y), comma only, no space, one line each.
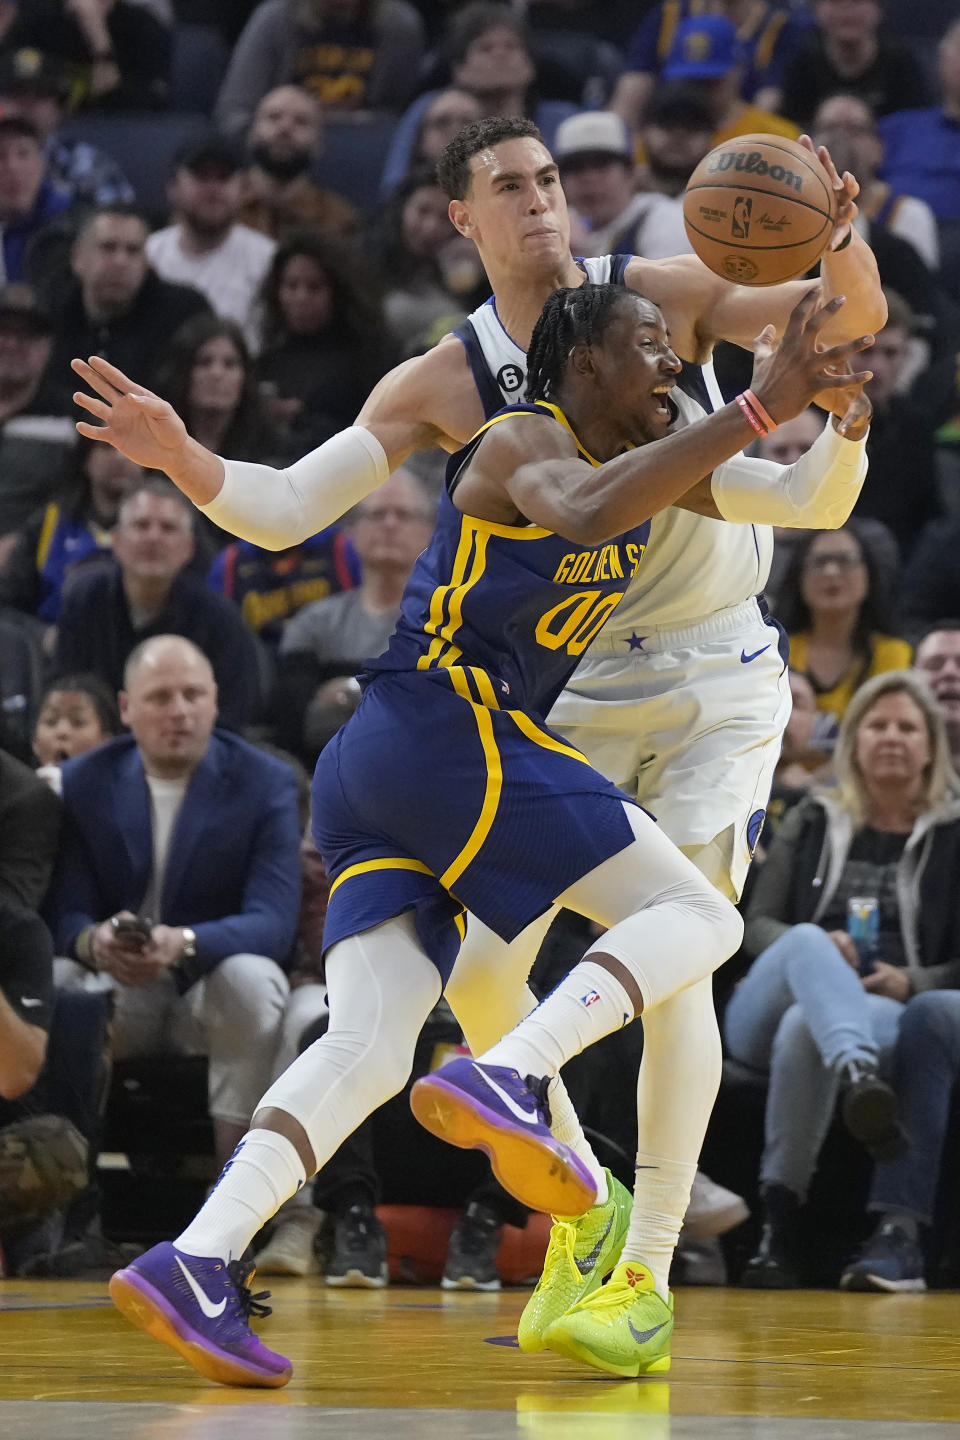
(200,1307)
(488,1107)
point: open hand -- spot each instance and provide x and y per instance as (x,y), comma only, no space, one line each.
(845,187)
(850,404)
(853,410)
(889,980)
(134,420)
(787,377)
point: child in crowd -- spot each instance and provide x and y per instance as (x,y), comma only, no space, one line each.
(77,713)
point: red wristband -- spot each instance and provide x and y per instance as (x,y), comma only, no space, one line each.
(759,411)
(754,420)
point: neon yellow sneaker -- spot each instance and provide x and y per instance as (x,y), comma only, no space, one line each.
(581,1252)
(623,1328)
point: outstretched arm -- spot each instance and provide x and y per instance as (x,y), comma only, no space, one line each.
(702,308)
(280,507)
(592,505)
(817,492)
(848,267)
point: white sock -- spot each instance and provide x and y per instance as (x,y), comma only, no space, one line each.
(655,1225)
(677,1085)
(565,1125)
(263,1172)
(587,1005)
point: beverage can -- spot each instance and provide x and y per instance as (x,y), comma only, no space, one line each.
(863,924)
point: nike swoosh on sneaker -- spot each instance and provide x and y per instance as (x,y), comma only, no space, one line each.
(211,1311)
(642,1336)
(511,1104)
(587,1263)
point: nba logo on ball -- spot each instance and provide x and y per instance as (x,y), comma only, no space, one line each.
(742,207)
(754,826)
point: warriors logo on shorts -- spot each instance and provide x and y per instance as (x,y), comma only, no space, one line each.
(754,827)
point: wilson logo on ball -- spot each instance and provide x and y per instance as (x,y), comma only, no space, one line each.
(753,164)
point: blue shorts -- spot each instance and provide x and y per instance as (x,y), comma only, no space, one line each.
(433,799)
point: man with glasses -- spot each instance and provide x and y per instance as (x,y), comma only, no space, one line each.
(325,644)
(847,126)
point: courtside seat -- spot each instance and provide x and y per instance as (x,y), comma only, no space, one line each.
(157,1118)
(418,1236)
(143,145)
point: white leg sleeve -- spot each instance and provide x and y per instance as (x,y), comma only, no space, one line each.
(668,927)
(666,924)
(381,986)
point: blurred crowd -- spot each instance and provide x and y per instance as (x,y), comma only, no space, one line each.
(234,202)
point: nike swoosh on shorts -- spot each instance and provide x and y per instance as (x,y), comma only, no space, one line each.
(745,658)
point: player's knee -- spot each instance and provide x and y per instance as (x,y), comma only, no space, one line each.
(725,922)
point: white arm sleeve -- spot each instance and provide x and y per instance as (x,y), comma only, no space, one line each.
(277,508)
(818,492)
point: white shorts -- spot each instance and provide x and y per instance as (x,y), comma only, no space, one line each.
(689,722)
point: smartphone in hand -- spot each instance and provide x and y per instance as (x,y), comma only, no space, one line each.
(133,931)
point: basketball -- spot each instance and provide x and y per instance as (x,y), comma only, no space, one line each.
(759,209)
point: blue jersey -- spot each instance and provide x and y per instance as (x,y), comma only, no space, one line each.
(515,603)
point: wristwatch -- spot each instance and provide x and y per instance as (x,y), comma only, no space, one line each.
(189,943)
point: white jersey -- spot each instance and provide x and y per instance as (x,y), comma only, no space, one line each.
(693,566)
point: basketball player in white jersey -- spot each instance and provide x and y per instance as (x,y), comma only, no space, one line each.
(696,654)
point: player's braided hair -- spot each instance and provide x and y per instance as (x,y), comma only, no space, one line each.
(570,317)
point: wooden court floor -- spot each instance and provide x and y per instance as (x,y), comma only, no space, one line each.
(423,1363)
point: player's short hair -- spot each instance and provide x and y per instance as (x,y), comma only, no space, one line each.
(572,316)
(453,167)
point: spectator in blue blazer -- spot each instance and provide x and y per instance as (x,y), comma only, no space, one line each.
(178,881)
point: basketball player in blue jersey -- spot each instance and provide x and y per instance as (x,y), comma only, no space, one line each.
(446,791)
(669,663)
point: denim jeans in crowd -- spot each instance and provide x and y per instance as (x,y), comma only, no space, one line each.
(801,1013)
(926,1064)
